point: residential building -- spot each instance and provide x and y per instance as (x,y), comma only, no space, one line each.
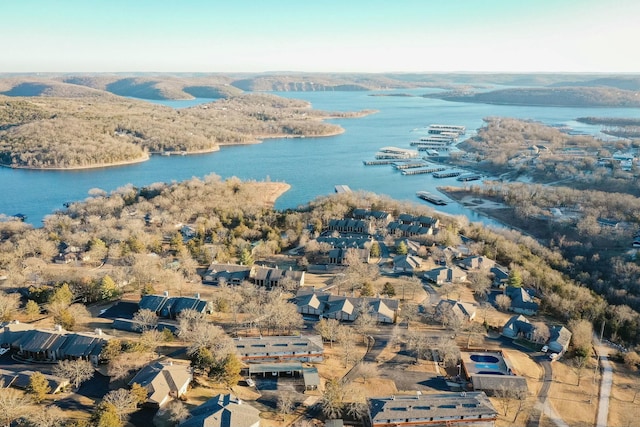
(52,345)
(231,274)
(518,327)
(338,256)
(521,301)
(345,308)
(303,348)
(164,380)
(476,263)
(448,309)
(271,277)
(406,263)
(450,409)
(559,339)
(442,275)
(223,410)
(348,225)
(170,307)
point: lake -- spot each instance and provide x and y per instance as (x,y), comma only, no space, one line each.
(312,166)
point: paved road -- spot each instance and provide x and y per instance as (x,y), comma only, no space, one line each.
(605,388)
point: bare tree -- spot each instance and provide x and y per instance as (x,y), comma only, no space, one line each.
(578,365)
(9,304)
(78,371)
(332,401)
(480,284)
(540,332)
(503,302)
(13,404)
(367,370)
(147,319)
(177,411)
(347,340)
(286,403)
(328,329)
(123,401)
(50,416)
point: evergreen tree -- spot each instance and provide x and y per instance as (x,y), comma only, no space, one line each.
(38,387)
(515,279)
(389,290)
(375,250)
(401,248)
(245,257)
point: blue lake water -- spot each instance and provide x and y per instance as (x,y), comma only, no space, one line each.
(312,166)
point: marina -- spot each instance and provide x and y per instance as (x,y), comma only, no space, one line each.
(431,198)
(440,129)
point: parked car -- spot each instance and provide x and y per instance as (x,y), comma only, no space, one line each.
(250,382)
(544,348)
(553,356)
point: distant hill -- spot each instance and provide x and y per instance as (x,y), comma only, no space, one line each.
(622,82)
(561,96)
(48,88)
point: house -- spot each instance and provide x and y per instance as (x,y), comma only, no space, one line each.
(164,381)
(346,242)
(406,263)
(271,277)
(350,226)
(382,311)
(223,410)
(493,385)
(340,309)
(451,409)
(518,327)
(448,308)
(21,379)
(344,308)
(338,255)
(52,345)
(303,348)
(381,216)
(559,339)
(521,301)
(477,263)
(170,307)
(442,275)
(231,274)
(500,276)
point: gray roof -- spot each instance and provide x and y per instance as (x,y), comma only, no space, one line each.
(392,409)
(260,368)
(311,377)
(492,383)
(277,344)
(224,410)
(36,341)
(560,334)
(518,324)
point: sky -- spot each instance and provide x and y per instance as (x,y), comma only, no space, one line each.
(320,36)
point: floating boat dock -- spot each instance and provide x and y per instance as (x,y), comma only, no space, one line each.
(421,171)
(342,189)
(440,129)
(432,198)
(446,174)
(409,165)
(469,177)
(383,162)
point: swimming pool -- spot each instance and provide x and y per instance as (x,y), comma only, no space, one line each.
(492,366)
(487,358)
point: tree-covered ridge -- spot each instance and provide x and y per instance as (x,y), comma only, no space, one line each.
(559,96)
(547,154)
(68,133)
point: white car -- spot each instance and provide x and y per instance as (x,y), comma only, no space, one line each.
(250,382)
(553,356)
(544,349)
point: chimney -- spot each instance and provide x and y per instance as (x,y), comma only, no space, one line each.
(98,332)
(166,293)
(198,295)
(57,328)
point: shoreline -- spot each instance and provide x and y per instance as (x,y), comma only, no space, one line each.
(143,159)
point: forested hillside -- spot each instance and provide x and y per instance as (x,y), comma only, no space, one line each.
(48,132)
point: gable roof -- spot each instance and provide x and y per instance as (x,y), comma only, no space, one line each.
(560,334)
(518,324)
(279,344)
(223,410)
(162,379)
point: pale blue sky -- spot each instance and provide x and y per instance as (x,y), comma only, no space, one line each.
(322,35)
